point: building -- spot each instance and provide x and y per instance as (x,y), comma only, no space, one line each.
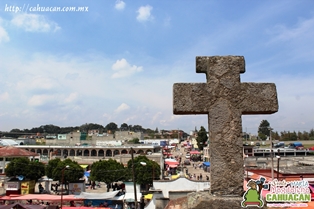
(92,138)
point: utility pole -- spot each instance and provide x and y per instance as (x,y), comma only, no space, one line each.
(245,134)
(271,154)
(133,178)
(278,160)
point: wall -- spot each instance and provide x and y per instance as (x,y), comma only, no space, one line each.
(265,162)
(180,185)
(74,138)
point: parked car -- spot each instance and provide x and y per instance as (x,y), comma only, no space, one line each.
(279,145)
(187,156)
(296,145)
(257,144)
(187,162)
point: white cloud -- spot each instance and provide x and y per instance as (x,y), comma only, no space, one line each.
(122,108)
(123,69)
(144,13)
(34,23)
(4,96)
(4,37)
(39,100)
(71,98)
(119,5)
(156,116)
(304,27)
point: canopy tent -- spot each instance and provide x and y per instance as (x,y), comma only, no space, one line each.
(18,205)
(97,196)
(257,177)
(45,197)
(87,173)
(170,159)
(194,152)
(148,196)
(129,197)
(83,207)
(207,164)
(84,166)
(8,197)
(172,162)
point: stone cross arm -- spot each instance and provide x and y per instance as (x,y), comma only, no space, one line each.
(250,98)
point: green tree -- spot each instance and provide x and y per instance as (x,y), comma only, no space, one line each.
(71,174)
(50,129)
(31,170)
(91,126)
(111,127)
(137,128)
(311,134)
(134,141)
(124,127)
(15,130)
(52,164)
(144,173)
(108,171)
(201,138)
(263,130)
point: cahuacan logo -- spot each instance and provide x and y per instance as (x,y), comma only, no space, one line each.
(253,195)
(278,194)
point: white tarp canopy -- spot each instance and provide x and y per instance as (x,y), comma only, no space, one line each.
(129,197)
(97,196)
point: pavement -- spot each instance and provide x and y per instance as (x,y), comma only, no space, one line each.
(195,169)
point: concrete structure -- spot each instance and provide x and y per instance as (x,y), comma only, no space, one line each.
(89,151)
(164,191)
(92,138)
(224,99)
(8,153)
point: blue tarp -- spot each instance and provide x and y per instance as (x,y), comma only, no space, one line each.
(86,173)
(163,143)
(207,164)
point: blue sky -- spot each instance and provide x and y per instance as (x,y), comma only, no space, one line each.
(117,62)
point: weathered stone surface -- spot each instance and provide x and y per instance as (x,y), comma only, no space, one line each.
(224,99)
(203,200)
(207,201)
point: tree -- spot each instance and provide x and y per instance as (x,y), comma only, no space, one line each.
(144,173)
(263,130)
(111,127)
(124,127)
(52,164)
(72,174)
(201,138)
(91,126)
(134,141)
(31,170)
(108,171)
(137,128)
(51,129)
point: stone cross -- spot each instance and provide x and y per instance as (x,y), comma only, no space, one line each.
(224,99)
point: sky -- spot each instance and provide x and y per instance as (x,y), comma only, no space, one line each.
(116,61)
